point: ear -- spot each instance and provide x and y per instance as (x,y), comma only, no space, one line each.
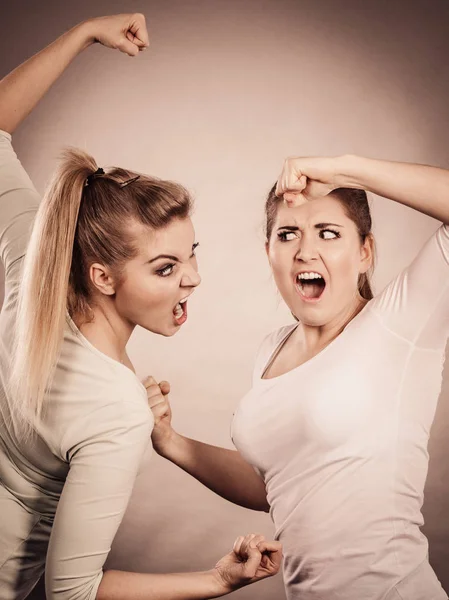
(267,250)
(367,253)
(102,279)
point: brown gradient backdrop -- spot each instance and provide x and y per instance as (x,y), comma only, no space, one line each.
(227,90)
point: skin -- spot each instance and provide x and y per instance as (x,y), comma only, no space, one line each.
(306,186)
(333,251)
(147,290)
(316,236)
(141,296)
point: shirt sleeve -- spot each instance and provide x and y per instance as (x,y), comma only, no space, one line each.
(103,467)
(18,205)
(415,305)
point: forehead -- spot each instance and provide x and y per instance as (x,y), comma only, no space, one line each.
(321,210)
(171,239)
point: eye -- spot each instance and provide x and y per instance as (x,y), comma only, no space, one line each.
(166,271)
(329,234)
(194,247)
(286,236)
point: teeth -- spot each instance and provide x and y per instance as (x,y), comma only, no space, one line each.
(182,301)
(178,312)
(309,275)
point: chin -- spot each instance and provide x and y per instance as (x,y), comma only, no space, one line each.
(168,331)
(306,317)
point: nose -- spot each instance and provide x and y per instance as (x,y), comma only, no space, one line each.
(191,277)
(307,249)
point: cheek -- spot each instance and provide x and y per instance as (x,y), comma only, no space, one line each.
(143,291)
(280,261)
(342,262)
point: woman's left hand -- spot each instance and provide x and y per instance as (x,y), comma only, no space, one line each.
(127,32)
(303,179)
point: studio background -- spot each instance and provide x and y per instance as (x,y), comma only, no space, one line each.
(226,91)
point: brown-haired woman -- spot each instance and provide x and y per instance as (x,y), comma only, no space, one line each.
(338,419)
(108,251)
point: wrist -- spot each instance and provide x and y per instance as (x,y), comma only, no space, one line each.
(168,446)
(85,32)
(218,584)
(348,171)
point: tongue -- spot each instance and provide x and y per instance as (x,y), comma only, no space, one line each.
(311,290)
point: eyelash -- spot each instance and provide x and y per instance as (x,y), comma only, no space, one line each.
(168,269)
(282,235)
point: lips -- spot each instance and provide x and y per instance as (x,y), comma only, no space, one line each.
(180,310)
(310,285)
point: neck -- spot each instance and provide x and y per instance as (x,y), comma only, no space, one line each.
(107,331)
(315,337)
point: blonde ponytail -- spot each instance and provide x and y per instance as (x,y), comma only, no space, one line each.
(43,293)
(76,226)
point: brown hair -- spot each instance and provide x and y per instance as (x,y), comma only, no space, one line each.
(355,203)
(76,225)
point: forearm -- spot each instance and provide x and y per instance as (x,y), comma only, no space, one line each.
(421,187)
(121,585)
(22,89)
(221,470)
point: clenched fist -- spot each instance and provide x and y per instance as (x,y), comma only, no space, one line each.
(157,394)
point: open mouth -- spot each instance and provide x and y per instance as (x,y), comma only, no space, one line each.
(310,285)
(180,311)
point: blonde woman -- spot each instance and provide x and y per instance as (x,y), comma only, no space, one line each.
(338,418)
(74,418)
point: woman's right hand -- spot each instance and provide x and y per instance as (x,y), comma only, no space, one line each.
(304,178)
(127,32)
(157,394)
(253,558)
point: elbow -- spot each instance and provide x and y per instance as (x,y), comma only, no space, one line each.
(260,505)
(71,589)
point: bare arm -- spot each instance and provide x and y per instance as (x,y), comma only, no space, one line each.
(120,585)
(103,463)
(22,89)
(104,451)
(421,187)
(116,585)
(223,471)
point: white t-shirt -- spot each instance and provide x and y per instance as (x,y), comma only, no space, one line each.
(341,442)
(62,496)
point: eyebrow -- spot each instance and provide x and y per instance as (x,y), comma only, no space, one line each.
(170,256)
(317,226)
(166,256)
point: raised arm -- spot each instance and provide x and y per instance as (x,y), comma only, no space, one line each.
(421,187)
(22,89)
(103,452)
(415,305)
(223,471)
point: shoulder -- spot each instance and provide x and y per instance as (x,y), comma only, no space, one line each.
(274,338)
(12,175)
(442,238)
(121,419)
(269,343)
